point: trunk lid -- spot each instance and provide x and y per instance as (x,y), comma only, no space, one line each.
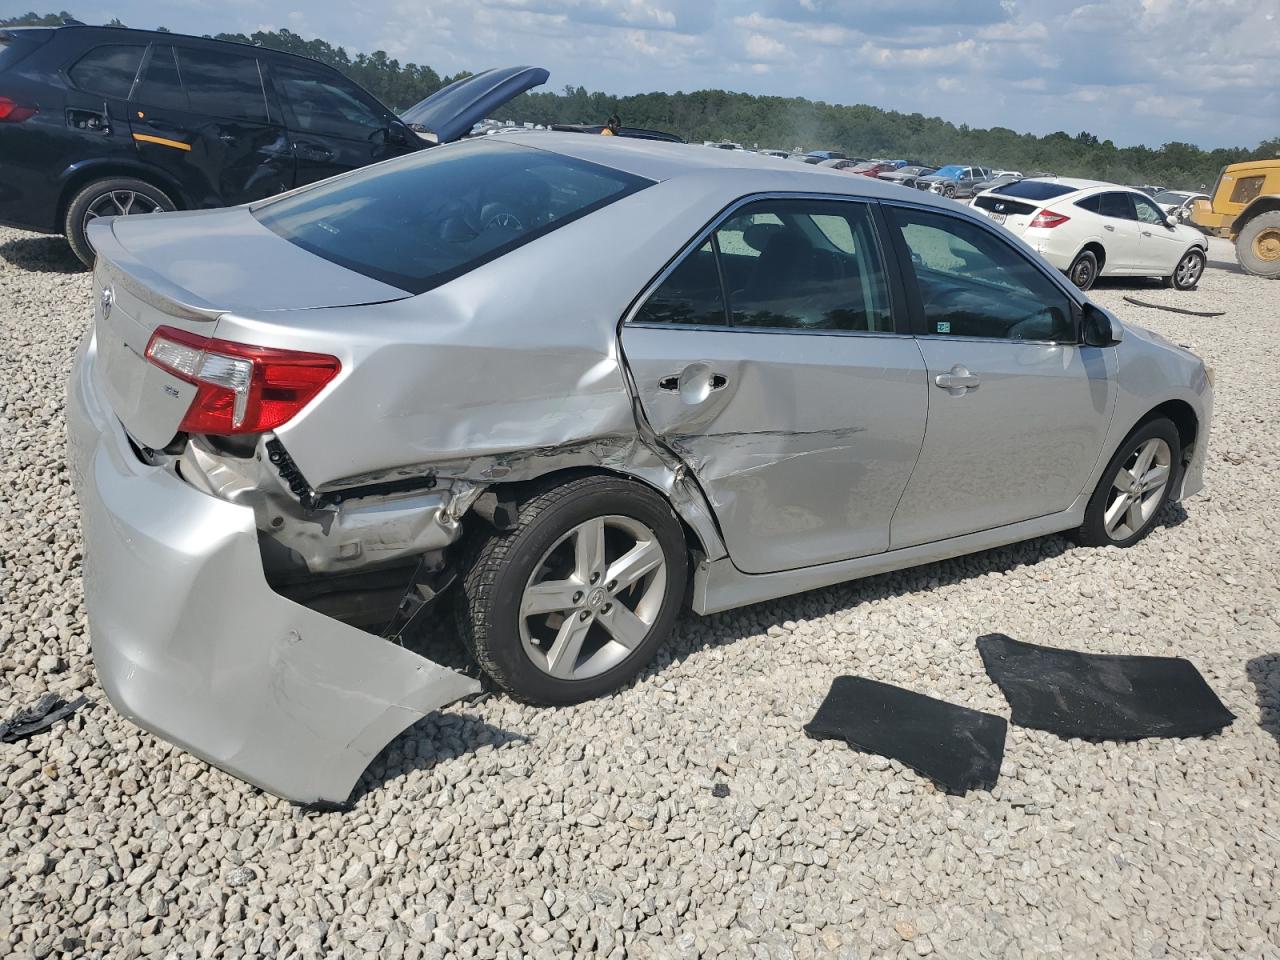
(1015,215)
(184,271)
(452,111)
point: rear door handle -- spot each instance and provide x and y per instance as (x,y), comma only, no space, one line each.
(958,379)
(1107,226)
(717,381)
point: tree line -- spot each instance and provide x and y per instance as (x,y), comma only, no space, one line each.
(785,122)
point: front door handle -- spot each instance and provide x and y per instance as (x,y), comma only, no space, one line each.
(957,380)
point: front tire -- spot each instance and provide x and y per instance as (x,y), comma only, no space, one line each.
(1186,275)
(113,196)
(576,600)
(1258,245)
(1084,270)
(949,191)
(1134,488)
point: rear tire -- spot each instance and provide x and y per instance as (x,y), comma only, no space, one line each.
(547,649)
(113,196)
(1258,245)
(1132,490)
(1083,270)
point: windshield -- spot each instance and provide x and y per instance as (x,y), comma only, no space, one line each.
(951,170)
(1035,189)
(1171,196)
(422,221)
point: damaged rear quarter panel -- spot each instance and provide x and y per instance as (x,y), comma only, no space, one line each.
(519,357)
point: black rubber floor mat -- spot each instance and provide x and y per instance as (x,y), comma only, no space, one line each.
(1101,696)
(957,748)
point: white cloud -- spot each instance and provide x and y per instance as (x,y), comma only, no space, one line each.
(1127,70)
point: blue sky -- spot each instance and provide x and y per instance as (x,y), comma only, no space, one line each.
(1133,71)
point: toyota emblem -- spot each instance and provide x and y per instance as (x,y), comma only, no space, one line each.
(108,298)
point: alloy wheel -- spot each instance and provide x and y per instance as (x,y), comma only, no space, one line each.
(1081,274)
(593,598)
(120,203)
(1189,270)
(1138,489)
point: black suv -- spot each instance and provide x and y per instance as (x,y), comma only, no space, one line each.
(105,121)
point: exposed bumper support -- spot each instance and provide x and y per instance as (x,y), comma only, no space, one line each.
(191,643)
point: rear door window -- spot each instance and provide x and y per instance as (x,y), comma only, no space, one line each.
(109,70)
(1117,205)
(161,85)
(782,264)
(691,295)
(427,218)
(222,84)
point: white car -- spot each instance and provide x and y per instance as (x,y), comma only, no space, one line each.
(1089,229)
(1178,203)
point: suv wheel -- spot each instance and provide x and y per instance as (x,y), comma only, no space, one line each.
(1188,271)
(574,601)
(949,190)
(1134,488)
(1084,270)
(112,197)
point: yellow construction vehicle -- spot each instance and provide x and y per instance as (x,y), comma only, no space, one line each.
(1245,209)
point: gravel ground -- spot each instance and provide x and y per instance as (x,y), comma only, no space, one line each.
(496,829)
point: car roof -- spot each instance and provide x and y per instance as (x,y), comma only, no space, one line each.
(737,172)
(153,35)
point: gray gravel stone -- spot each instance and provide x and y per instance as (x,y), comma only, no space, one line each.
(499,830)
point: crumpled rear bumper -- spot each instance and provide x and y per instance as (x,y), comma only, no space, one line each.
(192,644)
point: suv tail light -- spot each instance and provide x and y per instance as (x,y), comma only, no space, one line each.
(13,112)
(1048,219)
(239,388)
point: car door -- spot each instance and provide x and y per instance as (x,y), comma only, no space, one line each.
(1159,246)
(1119,232)
(1018,408)
(769,359)
(203,116)
(97,105)
(334,125)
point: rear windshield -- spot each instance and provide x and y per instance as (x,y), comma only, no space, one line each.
(1035,189)
(426,219)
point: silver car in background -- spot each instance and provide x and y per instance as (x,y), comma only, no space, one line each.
(565,384)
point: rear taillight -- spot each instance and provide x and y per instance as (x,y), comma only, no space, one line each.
(13,112)
(1048,219)
(239,388)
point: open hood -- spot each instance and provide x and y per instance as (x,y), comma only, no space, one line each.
(451,112)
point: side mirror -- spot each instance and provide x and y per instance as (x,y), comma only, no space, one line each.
(1099,328)
(1172,221)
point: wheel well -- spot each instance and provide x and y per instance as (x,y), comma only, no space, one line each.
(1259,206)
(1183,417)
(87,175)
(1098,251)
(524,489)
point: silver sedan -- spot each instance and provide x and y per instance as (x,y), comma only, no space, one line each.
(564,385)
